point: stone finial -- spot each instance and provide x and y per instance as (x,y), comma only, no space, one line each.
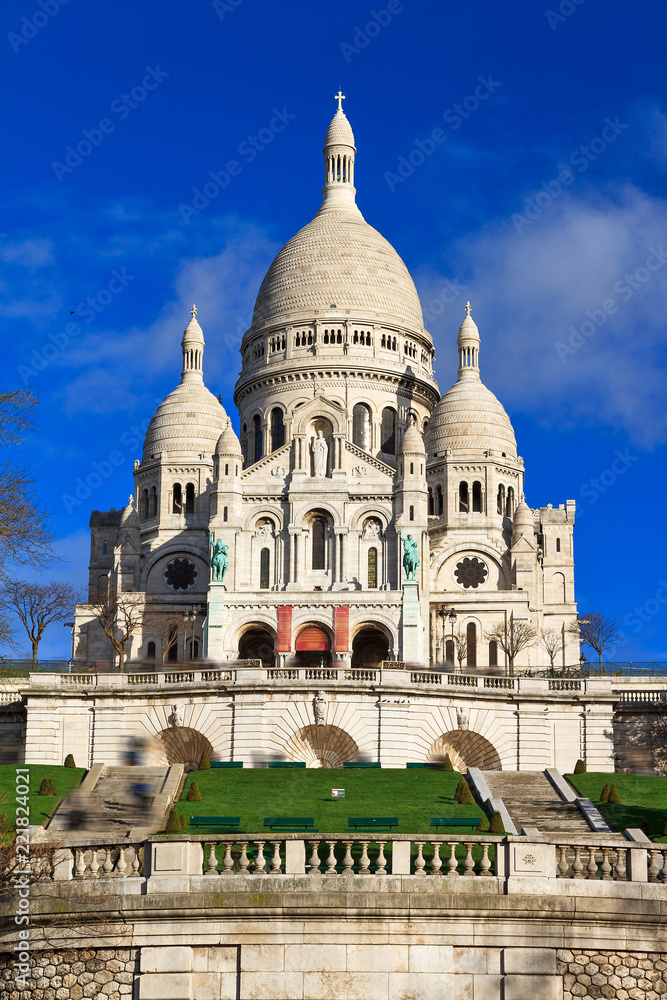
(193,311)
(468,309)
(130,501)
(340,97)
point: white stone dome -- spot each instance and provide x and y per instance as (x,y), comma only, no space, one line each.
(228,442)
(340,131)
(186,424)
(338,260)
(470,418)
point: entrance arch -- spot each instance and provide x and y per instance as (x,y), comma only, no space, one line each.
(182,745)
(466,749)
(321,746)
(257,642)
(370,646)
(312,646)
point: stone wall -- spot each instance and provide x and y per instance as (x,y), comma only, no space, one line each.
(88,974)
(622,975)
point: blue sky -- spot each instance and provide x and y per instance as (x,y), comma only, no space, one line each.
(516,159)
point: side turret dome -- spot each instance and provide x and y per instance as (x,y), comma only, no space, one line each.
(228,442)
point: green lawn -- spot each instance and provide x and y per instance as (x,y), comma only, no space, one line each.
(643,800)
(414,796)
(64,778)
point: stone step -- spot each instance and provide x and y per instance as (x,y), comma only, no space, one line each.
(112,806)
(531,800)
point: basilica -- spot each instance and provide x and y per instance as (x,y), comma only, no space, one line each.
(359,516)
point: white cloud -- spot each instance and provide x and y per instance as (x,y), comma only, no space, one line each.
(529,290)
(28,253)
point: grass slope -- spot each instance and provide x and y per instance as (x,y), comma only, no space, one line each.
(41,806)
(643,799)
(412,795)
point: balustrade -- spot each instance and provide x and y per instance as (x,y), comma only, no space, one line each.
(124,861)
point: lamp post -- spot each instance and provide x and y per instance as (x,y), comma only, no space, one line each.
(190,616)
(582,661)
(452,621)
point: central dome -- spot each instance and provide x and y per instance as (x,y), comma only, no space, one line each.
(339,261)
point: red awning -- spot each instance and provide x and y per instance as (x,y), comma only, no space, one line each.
(313,638)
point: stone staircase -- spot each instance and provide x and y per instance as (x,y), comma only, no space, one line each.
(532,801)
(112,807)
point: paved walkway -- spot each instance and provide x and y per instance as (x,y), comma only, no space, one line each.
(113,806)
(531,800)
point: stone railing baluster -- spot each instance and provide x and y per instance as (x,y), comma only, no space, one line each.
(276,864)
(663,870)
(592,865)
(228,861)
(244,861)
(452,863)
(653,870)
(348,861)
(606,866)
(136,861)
(436,861)
(364,860)
(485,864)
(381,868)
(563,863)
(419,860)
(107,867)
(468,863)
(331,860)
(260,861)
(212,863)
(577,866)
(94,864)
(621,866)
(80,869)
(314,858)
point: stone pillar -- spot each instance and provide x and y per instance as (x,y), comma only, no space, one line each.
(412,627)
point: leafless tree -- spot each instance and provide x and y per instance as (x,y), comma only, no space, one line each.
(167,626)
(37,605)
(552,642)
(119,615)
(512,637)
(25,532)
(461,647)
(597,631)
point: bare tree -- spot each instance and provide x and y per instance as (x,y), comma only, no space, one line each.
(167,626)
(597,631)
(25,532)
(461,647)
(552,642)
(37,605)
(512,637)
(119,615)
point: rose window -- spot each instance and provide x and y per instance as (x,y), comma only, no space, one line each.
(470,572)
(180,574)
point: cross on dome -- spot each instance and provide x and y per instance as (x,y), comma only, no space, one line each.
(468,309)
(193,311)
(340,97)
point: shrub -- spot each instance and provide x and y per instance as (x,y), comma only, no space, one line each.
(614,797)
(580,767)
(447,764)
(483,825)
(604,794)
(69,760)
(182,821)
(459,788)
(204,762)
(47,787)
(173,823)
(496,825)
(194,795)
(466,798)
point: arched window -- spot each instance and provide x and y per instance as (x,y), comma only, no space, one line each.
(319,544)
(412,468)
(477,497)
(256,437)
(226,468)
(449,651)
(493,653)
(471,645)
(431,505)
(372,567)
(388,433)
(440,503)
(464,504)
(152,502)
(412,513)
(509,506)
(558,545)
(143,505)
(104,548)
(177,506)
(264,560)
(501,499)
(190,498)
(150,651)
(361,426)
(277,428)
(224,513)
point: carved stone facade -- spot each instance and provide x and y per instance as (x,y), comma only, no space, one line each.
(345,449)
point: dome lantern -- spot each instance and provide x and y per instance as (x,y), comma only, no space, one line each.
(339,151)
(468,343)
(192,346)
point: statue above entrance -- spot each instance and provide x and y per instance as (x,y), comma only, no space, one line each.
(219,561)
(410,556)
(320,450)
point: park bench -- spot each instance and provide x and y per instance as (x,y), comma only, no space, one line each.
(219,822)
(368,824)
(362,763)
(226,763)
(432,766)
(284,824)
(287,763)
(455,821)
